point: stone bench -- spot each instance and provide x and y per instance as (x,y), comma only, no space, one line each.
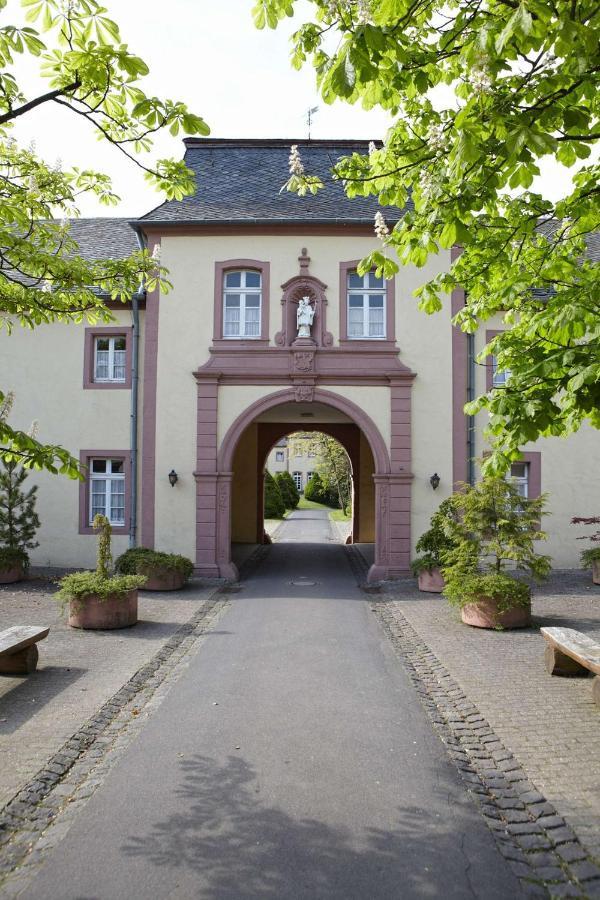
(569,652)
(18,651)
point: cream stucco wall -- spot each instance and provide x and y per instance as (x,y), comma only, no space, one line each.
(44,369)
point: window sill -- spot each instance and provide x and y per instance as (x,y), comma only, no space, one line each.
(116,529)
(107,386)
(221,343)
(368,343)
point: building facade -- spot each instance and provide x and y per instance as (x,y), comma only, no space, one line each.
(294,454)
(222,376)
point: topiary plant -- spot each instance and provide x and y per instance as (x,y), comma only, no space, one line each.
(138,560)
(274,504)
(434,541)
(492,527)
(81,586)
(314,489)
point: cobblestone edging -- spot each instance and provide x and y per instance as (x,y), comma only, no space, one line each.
(543,851)
(42,812)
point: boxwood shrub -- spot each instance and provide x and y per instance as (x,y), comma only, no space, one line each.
(139,560)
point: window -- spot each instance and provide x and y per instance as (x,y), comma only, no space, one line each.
(242,304)
(107,357)
(297,476)
(309,475)
(366,306)
(519,475)
(500,377)
(107,490)
(110,358)
(279,456)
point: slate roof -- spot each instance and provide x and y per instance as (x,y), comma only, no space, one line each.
(103,237)
(239,181)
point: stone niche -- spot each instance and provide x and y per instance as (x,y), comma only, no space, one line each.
(303,285)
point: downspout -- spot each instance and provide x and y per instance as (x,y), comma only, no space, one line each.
(135,379)
(470,398)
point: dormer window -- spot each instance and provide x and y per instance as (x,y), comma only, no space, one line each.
(242,298)
(366,306)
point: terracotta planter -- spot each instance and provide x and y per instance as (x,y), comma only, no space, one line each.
(162,579)
(484,614)
(114,612)
(14,573)
(596,571)
(431,580)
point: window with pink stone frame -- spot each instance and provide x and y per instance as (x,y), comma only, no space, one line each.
(347,268)
(89,357)
(85,460)
(237,265)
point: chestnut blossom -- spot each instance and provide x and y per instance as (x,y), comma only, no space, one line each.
(295,163)
(156,253)
(372,148)
(363,12)
(381,229)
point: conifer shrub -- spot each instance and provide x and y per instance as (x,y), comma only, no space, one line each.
(19,521)
(315,489)
(494,531)
(289,491)
(434,542)
(274,503)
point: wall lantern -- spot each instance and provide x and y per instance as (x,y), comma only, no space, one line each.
(434,481)
(173,477)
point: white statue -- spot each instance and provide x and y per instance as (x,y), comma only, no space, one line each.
(304,317)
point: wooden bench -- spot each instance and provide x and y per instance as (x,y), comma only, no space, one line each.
(569,652)
(18,651)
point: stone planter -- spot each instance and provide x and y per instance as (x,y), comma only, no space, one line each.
(431,580)
(484,614)
(163,579)
(596,571)
(115,612)
(15,573)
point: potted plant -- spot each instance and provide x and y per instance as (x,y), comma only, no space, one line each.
(590,558)
(163,571)
(431,544)
(99,599)
(494,530)
(18,522)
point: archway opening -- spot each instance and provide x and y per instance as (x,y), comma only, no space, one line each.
(262,438)
(308,489)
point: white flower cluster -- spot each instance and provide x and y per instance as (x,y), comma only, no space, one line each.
(480,77)
(46,287)
(372,148)
(66,7)
(381,229)
(436,139)
(427,181)
(296,166)
(156,253)
(363,12)
(335,8)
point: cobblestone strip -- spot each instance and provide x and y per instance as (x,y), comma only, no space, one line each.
(42,812)
(543,851)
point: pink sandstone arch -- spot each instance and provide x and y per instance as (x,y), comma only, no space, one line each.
(354,412)
(214,488)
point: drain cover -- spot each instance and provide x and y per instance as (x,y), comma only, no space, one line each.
(303,583)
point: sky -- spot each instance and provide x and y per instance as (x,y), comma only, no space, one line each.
(239,79)
(209,55)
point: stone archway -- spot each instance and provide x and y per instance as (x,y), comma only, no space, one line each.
(214,490)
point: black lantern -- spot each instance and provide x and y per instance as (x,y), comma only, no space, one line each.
(173,477)
(434,481)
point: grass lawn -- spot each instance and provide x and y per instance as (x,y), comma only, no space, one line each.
(310,504)
(337,515)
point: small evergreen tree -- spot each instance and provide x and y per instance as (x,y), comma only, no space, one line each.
(19,521)
(314,489)
(274,503)
(288,489)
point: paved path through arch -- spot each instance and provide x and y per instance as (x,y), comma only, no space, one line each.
(317,775)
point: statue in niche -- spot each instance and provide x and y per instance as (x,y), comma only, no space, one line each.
(304,317)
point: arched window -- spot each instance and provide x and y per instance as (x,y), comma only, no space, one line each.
(242,299)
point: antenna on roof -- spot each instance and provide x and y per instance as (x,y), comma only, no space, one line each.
(309,117)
